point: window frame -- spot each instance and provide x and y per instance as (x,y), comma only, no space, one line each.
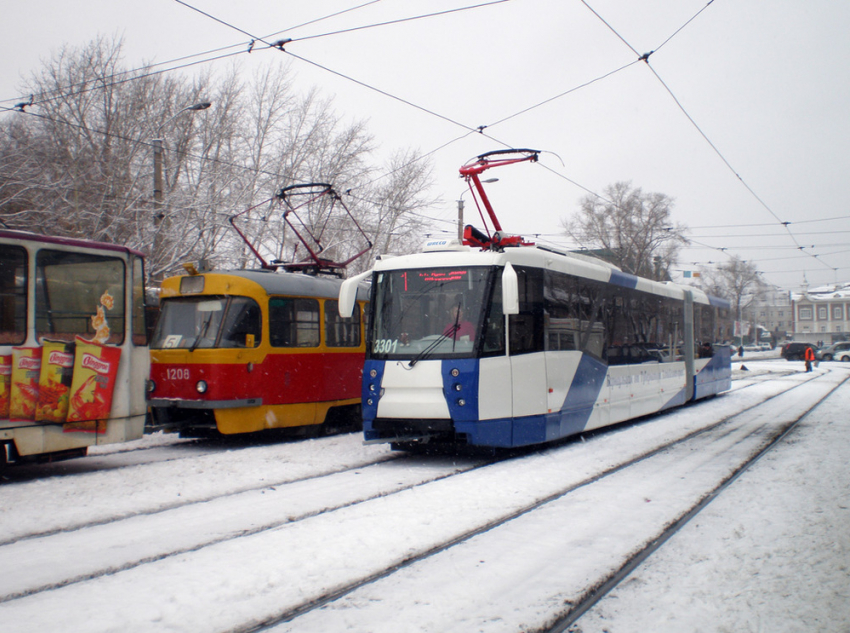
(299,330)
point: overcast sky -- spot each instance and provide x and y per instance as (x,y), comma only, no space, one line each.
(759,136)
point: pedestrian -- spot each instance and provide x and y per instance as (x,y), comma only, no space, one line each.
(809,357)
(740,351)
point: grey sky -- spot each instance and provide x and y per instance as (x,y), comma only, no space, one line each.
(766,82)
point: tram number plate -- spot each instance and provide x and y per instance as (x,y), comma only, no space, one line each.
(385,346)
(176,374)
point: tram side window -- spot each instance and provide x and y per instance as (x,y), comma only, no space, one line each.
(494,323)
(79,294)
(13,295)
(293,322)
(574,313)
(711,328)
(526,328)
(724,326)
(643,327)
(341,331)
(140,326)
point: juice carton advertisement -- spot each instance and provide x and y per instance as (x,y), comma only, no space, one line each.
(54,386)
(26,370)
(5,385)
(95,370)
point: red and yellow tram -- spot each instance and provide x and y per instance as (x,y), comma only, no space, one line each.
(250,350)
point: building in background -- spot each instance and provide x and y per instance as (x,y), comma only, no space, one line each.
(822,315)
(774,312)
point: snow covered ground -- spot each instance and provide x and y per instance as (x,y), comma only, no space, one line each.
(772,553)
(204,537)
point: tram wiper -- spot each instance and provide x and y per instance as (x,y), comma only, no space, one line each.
(450,331)
(202,334)
(429,350)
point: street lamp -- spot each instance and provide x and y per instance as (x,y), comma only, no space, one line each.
(157,158)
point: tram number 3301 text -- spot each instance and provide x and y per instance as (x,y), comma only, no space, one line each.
(385,346)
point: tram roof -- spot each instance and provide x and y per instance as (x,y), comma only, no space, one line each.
(544,257)
(290,283)
(15,235)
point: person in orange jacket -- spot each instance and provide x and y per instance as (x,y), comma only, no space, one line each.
(809,356)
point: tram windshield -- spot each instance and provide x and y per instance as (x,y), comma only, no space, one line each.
(208,322)
(429,312)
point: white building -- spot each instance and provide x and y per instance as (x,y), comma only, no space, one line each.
(822,314)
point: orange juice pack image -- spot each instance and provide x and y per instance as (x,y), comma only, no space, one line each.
(54,386)
(26,371)
(95,369)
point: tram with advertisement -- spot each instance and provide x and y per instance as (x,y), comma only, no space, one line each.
(498,342)
(249,351)
(73,346)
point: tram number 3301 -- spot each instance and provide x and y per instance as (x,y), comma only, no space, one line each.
(385,346)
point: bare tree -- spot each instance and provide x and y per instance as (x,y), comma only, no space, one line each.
(629,228)
(737,280)
(79,162)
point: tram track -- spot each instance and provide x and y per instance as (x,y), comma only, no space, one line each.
(75,540)
(158,505)
(717,428)
(265,485)
(385,468)
(608,584)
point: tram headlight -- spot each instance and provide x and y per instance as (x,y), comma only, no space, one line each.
(372,388)
(151,386)
(456,386)
(461,402)
(455,372)
(201,386)
(369,402)
(373,372)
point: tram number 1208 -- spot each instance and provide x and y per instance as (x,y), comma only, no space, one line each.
(177,374)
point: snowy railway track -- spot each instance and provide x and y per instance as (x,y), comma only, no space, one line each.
(267,505)
(369,544)
(213,476)
(608,584)
(766,434)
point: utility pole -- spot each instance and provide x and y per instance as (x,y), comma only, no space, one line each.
(460,220)
(157,181)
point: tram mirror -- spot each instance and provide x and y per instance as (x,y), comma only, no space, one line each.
(210,306)
(510,290)
(348,294)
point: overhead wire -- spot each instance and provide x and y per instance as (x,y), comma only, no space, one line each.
(645,58)
(398,21)
(480,129)
(114,78)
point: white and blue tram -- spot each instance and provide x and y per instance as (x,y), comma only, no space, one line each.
(528,345)
(494,341)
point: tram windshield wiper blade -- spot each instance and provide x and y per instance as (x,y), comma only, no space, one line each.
(430,349)
(450,331)
(202,334)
